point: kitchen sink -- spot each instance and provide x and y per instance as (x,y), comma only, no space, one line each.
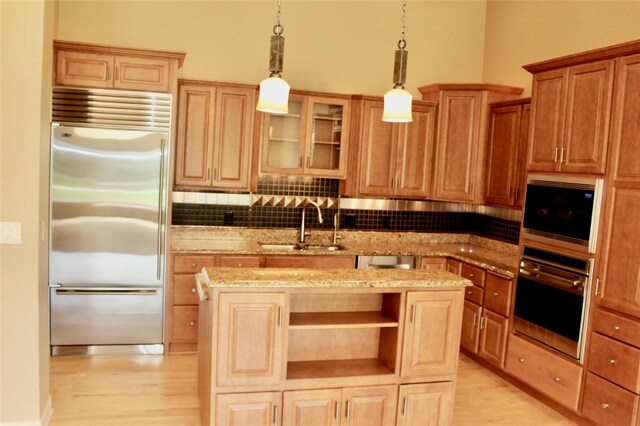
(298,246)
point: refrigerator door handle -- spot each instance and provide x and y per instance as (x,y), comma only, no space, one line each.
(160,212)
(79,291)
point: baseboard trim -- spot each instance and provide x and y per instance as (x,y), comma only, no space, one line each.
(47,413)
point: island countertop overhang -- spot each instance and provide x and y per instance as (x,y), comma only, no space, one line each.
(328,278)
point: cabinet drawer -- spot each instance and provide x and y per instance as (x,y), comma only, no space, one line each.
(314,262)
(474,294)
(608,404)
(473,273)
(240,261)
(620,328)
(188,264)
(615,361)
(184,324)
(550,374)
(454,266)
(498,294)
(184,289)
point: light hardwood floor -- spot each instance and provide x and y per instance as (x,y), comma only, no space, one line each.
(157,390)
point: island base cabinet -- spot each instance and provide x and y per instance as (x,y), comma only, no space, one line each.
(428,404)
(358,406)
(248,409)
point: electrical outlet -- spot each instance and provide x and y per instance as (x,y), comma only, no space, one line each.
(10,233)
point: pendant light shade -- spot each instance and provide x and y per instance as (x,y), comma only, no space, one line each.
(397,101)
(274,91)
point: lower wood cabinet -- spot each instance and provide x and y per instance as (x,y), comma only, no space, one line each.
(310,261)
(433,263)
(357,406)
(545,371)
(607,404)
(248,409)
(425,404)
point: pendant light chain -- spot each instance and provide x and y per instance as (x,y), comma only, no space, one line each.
(403,43)
(278,29)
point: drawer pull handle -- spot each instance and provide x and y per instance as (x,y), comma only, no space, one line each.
(193,265)
(192,323)
(495,293)
(471,275)
(193,290)
(616,328)
(520,359)
(469,292)
(605,405)
(611,361)
(556,379)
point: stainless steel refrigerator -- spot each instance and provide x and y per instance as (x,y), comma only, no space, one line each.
(109,156)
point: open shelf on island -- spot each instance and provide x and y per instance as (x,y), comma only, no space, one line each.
(317,320)
(336,368)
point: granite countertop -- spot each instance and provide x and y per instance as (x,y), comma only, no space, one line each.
(497,257)
(329,278)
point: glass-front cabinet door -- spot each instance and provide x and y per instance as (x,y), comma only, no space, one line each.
(309,140)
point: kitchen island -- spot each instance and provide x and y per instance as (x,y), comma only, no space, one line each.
(328,347)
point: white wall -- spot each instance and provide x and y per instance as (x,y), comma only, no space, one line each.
(26,35)
(524,32)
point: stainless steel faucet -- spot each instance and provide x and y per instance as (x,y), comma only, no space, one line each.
(303,233)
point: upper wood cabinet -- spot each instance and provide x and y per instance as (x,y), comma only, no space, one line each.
(108,67)
(463,114)
(215,134)
(251,340)
(390,159)
(311,140)
(570,116)
(507,153)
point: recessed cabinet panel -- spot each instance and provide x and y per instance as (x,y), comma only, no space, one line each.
(248,409)
(379,142)
(84,69)
(135,73)
(370,406)
(312,408)
(429,404)
(626,126)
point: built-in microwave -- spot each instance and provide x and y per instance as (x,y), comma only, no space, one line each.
(563,210)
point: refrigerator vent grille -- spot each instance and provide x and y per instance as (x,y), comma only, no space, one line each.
(111,107)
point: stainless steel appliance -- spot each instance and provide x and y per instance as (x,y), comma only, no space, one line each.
(552,300)
(386,261)
(563,210)
(109,156)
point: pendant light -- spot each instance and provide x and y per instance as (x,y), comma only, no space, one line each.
(274,91)
(397,101)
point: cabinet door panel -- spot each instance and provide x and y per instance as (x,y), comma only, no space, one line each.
(378,151)
(457,150)
(470,334)
(502,165)
(608,404)
(311,408)
(185,324)
(195,135)
(547,120)
(250,343)
(84,69)
(415,165)
(247,409)
(432,333)
(493,340)
(283,138)
(370,406)
(588,110)
(136,73)
(428,404)
(498,294)
(184,290)
(327,145)
(234,121)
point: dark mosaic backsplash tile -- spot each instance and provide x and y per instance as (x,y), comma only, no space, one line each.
(298,186)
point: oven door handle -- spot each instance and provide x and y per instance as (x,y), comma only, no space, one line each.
(550,279)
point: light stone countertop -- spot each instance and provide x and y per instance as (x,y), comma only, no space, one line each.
(329,278)
(495,256)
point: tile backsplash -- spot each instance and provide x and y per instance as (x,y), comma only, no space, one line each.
(276,204)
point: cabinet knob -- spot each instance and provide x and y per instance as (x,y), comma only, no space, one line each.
(556,379)
(193,265)
(193,290)
(521,359)
(239,265)
(469,292)
(192,323)
(471,275)
(605,405)
(616,328)
(611,361)
(495,293)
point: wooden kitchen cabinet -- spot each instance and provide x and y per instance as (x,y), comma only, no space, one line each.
(244,409)
(433,263)
(607,404)
(494,330)
(463,115)
(454,266)
(570,117)
(359,406)
(310,261)
(391,159)
(470,333)
(311,140)
(474,273)
(109,67)
(425,404)
(432,333)
(251,339)
(215,135)
(507,152)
